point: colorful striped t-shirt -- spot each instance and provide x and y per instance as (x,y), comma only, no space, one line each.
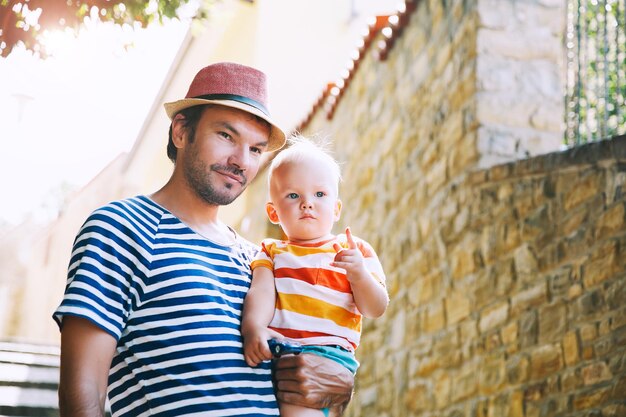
(314,301)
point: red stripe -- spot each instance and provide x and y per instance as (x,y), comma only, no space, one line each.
(317,276)
(302,334)
(299,334)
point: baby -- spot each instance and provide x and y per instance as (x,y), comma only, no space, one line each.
(313,287)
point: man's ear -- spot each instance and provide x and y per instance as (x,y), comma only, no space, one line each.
(337,209)
(271,213)
(178,130)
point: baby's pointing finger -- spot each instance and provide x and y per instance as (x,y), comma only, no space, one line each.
(351,243)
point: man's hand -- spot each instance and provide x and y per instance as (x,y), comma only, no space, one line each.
(313,381)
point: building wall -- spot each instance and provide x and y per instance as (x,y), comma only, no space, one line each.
(507,279)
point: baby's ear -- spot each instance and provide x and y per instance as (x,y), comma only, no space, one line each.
(337,209)
(271,213)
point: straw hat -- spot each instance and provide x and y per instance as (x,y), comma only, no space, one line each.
(231,85)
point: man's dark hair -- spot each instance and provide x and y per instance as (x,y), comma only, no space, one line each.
(191,116)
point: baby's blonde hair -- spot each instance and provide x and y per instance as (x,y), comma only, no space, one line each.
(301,148)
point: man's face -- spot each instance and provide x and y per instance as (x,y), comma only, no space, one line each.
(224,153)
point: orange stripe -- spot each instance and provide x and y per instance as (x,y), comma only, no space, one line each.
(301,251)
(261,262)
(316,308)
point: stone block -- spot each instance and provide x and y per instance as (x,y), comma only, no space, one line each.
(509,336)
(493,316)
(560,281)
(418,397)
(526,264)
(584,189)
(492,375)
(610,222)
(601,264)
(523,45)
(615,410)
(571,380)
(552,323)
(465,382)
(531,297)
(571,348)
(616,293)
(443,386)
(528,329)
(595,373)
(458,307)
(589,304)
(591,398)
(545,361)
(618,319)
(462,261)
(588,332)
(434,317)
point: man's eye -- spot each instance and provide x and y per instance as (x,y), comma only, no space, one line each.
(256,150)
(320,194)
(224,135)
(292,195)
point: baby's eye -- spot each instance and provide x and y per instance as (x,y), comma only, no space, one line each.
(320,194)
(292,195)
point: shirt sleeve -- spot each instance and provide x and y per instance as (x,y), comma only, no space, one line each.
(372,263)
(105,261)
(264,256)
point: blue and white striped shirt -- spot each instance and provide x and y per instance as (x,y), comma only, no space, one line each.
(173,301)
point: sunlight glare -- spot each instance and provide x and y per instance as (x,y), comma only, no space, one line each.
(57,41)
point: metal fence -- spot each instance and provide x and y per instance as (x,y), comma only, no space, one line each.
(596,70)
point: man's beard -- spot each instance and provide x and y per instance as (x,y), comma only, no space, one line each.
(198,176)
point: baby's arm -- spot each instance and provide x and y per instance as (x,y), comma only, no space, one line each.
(258,310)
(370,296)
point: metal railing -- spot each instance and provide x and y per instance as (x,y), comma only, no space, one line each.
(595,44)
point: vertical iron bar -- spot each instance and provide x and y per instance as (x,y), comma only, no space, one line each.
(579,72)
(607,97)
(619,64)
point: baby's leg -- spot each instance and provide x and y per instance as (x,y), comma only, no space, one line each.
(290,410)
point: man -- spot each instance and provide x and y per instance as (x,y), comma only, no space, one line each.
(152,307)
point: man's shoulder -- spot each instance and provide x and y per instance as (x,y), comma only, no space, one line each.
(129,216)
(247,246)
(138,208)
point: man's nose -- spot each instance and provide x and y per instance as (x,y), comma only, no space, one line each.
(240,158)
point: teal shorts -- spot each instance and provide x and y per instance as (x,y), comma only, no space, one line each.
(336,353)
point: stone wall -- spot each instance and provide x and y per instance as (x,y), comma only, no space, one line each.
(507,282)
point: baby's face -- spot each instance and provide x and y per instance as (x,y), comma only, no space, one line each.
(304,199)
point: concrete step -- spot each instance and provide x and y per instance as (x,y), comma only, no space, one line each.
(29,379)
(17,401)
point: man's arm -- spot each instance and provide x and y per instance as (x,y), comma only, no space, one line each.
(312,381)
(86,354)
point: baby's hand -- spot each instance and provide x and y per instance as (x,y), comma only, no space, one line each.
(350,259)
(255,347)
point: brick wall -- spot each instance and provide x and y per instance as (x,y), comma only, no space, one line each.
(507,282)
